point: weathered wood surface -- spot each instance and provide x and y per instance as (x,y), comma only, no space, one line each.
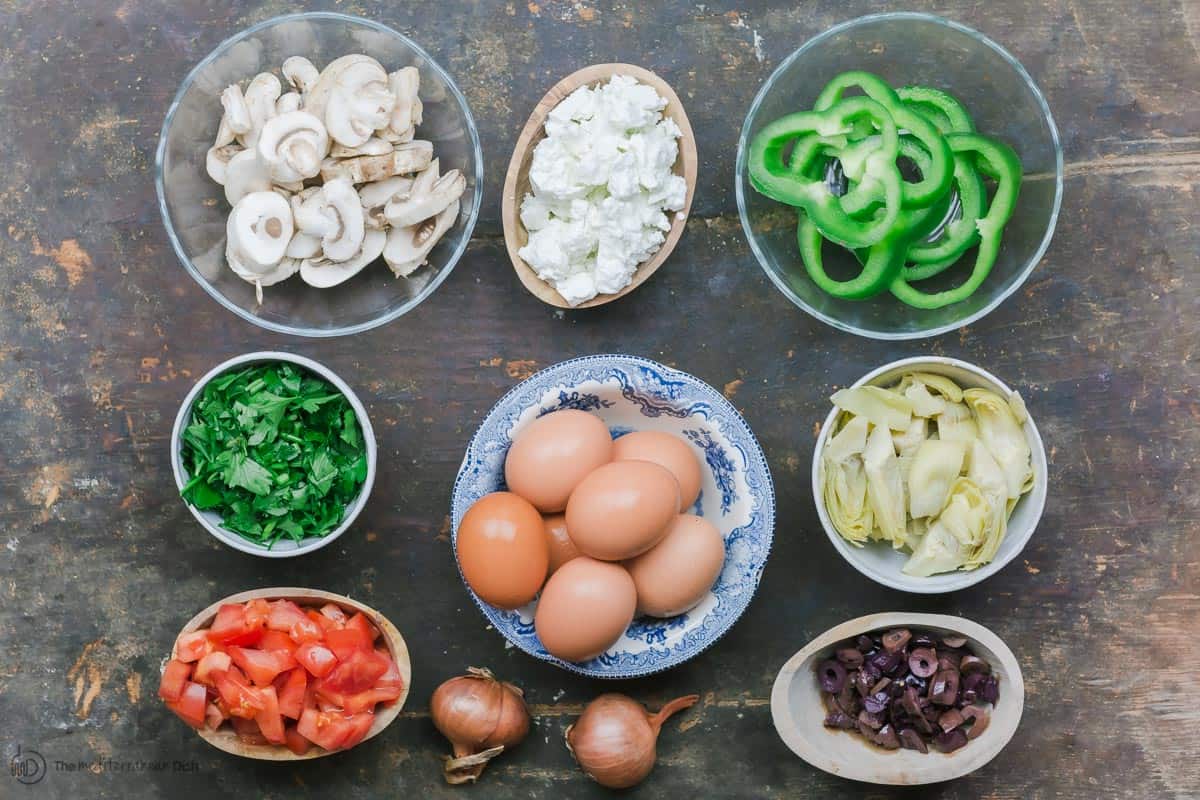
(101,335)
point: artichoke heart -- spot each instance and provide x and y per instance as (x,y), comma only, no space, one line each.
(934,468)
(957,533)
(885,486)
(881,407)
(1002,435)
(956,423)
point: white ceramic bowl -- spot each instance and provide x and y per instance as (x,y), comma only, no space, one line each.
(211,520)
(877,560)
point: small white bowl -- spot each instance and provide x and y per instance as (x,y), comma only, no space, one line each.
(211,520)
(877,560)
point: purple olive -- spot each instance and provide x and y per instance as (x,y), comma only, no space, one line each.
(949,720)
(922,662)
(980,716)
(885,661)
(954,641)
(880,685)
(832,676)
(886,738)
(847,699)
(911,740)
(949,741)
(865,644)
(989,690)
(876,703)
(969,665)
(896,640)
(840,720)
(944,689)
(911,702)
(849,657)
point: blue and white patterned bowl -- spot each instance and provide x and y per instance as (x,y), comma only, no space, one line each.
(631,393)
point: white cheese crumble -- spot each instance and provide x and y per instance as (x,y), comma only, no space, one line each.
(602,183)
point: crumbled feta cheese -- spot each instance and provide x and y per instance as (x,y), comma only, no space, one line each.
(602,183)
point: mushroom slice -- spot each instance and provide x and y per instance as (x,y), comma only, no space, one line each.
(399,138)
(259,229)
(261,95)
(300,73)
(216,162)
(292,146)
(353,98)
(322,273)
(406,116)
(408,248)
(411,157)
(286,268)
(374,196)
(375,146)
(336,215)
(303,245)
(426,202)
(290,101)
(317,97)
(237,113)
(245,174)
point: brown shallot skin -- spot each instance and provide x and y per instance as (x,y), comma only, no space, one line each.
(481,716)
(615,739)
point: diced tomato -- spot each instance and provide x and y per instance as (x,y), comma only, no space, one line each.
(392,678)
(291,688)
(257,611)
(343,642)
(175,676)
(248,731)
(240,698)
(324,622)
(295,742)
(286,616)
(215,661)
(366,701)
(269,719)
(318,659)
(357,673)
(191,705)
(276,640)
(335,613)
(231,627)
(360,724)
(325,728)
(192,646)
(262,666)
(214,716)
(360,622)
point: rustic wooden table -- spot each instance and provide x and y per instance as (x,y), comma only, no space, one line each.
(101,335)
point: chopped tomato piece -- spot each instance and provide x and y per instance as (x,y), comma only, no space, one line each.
(240,698)
(323,622)
(360,622)
(357,673)
(174,678)
(192,646)
(248,731)
(214,716)
(295,742)
(191,705)
(392,678)
(325,728)
(262,666)
(366,701)
(286,616)
(335,613)
(215,661)
(360,724)
(232,627)
(269,720)
(318,659)
(257,611)
(276,640)
(291,688)
(343,642)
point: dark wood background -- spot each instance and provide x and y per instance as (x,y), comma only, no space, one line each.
(102,333)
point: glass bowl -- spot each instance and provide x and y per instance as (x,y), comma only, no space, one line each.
(194,209)
(904,49)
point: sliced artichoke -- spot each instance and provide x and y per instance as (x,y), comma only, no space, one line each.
(881,407)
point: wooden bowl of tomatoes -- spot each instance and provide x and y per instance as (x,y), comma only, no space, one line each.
(287,674)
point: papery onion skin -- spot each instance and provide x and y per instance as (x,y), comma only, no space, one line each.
(481,716)
(615,739)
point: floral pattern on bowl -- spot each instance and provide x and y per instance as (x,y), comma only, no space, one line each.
(631,393)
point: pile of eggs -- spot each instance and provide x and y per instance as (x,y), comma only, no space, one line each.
(596,525)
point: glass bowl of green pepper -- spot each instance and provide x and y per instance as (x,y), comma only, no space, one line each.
(899,176)
(273,454)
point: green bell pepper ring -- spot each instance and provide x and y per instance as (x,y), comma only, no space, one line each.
(936,180)
(811,132)
(998,161)
(920,272)
(961,234)
(956,116)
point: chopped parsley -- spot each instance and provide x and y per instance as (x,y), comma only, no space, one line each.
(274,450)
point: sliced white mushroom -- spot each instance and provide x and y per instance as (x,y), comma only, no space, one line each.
(288,101)
(407,249)
(375,146)
(323,274)
(406,159)
(259,229)
(293,145)
(216,162)
(336,215)
(353,98)
(375,196)
(286,268)
(261,95)
(406,116)
(300,73)
(237,113)
(303,245)
(398,138)
(427,199)
(317,98)
(411,157)
(244,174)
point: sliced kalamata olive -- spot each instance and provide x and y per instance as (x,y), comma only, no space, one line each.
(832,676)
(887,738)
(829,701)
(911,740)
(954,641)
(866,731)
(922,639)
(980,717)
(863,682)
(944,689)
(949,741)
(922,662)
(880,685)
(840,720)
(969,665)
(947,661)
(930,712)
(847,700)
(911,702)
(894,641)
(876,703)
(913,680)
(949,720)
(989,690)
(864,644)
(884,661)
(873,720)
(850,658)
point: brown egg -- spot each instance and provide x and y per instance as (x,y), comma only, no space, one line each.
(562,549)
(584,608)
(622,509)
(667,451)
(502,549)
(677,573)
(553,454)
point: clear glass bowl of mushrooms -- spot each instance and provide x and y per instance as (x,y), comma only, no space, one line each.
(319,174)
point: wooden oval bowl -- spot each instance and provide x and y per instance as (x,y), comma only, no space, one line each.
(516,181)
(799,714)
(225,739)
